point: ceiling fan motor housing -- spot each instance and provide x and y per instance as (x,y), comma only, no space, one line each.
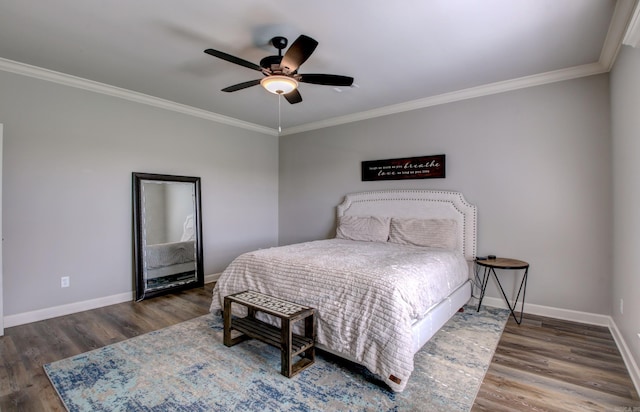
(279,43)
(273,62)
(269,61)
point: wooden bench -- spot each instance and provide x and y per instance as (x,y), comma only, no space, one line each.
(290,344)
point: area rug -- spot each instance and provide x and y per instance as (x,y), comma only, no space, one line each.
(186,367)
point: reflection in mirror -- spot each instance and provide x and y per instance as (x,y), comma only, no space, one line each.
(168,243)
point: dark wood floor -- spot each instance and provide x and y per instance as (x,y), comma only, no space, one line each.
(542,365)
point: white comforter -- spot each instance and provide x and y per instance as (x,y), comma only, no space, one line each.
(366,294)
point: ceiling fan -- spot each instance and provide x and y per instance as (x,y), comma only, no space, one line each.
(281,72)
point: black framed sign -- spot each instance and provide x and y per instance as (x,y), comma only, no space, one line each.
(423,167)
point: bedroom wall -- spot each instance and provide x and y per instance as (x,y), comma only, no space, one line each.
(625,106)
(536,162)
(68,159)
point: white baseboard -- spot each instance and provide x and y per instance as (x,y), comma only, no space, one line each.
(557,313)
(62,310)
(212,277)
(581,317)
(68,309)
(631,364)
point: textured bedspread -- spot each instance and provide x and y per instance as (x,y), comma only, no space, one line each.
(167,254)
(366,294)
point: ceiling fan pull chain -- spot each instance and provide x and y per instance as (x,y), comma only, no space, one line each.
(279,118)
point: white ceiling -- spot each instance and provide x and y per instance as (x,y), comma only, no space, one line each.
(401,53)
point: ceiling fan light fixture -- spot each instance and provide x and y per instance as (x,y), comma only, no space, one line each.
(278,84)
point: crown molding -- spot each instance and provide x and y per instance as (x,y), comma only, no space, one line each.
(613,41)
(619,21)
(90,85)
(470,93)
(622,17)
(632,36)
(464,94)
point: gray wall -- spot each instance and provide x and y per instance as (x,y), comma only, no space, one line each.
(68,158)
(536,162)
(625,107)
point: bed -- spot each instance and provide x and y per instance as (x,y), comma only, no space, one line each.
(168,259)
(397,270)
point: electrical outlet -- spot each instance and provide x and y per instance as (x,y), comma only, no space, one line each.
(64,282)
(621,306)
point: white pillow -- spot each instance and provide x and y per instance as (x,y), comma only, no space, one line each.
(364,228)
(438,233)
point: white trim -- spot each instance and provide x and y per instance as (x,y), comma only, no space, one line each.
(621,16)
(632,36)
(90,85)
(470,93)
(212,278)
(68,309)
(571,315)
(629,362)
(581,317)
(62,310)
(465,94)
(556,313)
(617,27)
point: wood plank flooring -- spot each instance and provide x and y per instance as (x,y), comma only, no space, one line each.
(542,365)
(24,349)
(554,365)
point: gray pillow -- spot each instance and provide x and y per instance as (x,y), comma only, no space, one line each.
(438,233)
(363,228)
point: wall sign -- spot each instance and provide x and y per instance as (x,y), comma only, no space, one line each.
(423,167)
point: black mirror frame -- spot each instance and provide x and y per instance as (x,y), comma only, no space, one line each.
(140,285)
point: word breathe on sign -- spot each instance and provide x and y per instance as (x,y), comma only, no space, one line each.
(425,167)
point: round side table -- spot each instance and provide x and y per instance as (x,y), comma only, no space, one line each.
(490,266)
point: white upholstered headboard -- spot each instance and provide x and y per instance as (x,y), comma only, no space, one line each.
(422,204)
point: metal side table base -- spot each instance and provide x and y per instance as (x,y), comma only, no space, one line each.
(490,266)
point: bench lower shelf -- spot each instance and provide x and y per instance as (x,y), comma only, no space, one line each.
(270,334)
(256,329)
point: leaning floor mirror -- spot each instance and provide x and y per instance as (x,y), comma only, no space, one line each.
(167,234)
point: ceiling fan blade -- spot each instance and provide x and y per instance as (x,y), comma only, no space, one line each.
(233,59)
(327,79)
(293,96)
(298,53)
(241,86)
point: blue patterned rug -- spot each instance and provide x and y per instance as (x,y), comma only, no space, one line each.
(187,368)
